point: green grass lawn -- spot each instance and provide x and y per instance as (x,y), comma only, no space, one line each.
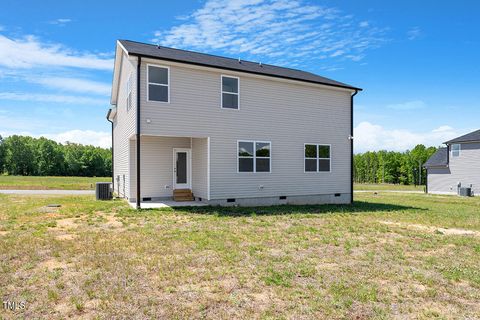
(387,186)
(384,257)
(43,183)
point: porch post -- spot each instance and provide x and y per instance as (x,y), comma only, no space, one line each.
(138,132)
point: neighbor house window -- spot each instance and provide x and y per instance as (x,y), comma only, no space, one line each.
(455,150)
(129,92)
(158,83)
(317,158)
(230,92)
(254,156)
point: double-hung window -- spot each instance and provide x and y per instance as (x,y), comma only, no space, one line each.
(455,150)
(230,92)
(129,92)
(317,158)
(254,156)
(158,83)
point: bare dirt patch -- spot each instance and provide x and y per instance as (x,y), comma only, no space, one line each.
(112,221)
(69,223)
(52,264)
(432,229)
(4,233)
(66,236)
(51,211)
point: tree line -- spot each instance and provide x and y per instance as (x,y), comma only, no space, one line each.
(393,167)
(27,156)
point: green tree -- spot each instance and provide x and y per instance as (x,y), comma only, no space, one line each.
(2,155)
(50,158)
(19,156)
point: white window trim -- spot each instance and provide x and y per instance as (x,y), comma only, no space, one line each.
(459,150)
(222,92)
(254,157)
(158,84)
(129,93)
(318,157)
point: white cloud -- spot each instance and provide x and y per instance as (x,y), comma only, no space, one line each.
(60,22)
(371,137)
(75,85)
(88,137)
(363,24)
(55,98)
(410,105)
(29,52)
(291,31)
(414,33)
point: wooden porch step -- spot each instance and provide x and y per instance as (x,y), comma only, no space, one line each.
(182,195)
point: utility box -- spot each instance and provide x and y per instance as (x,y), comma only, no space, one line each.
(465,192)
(103,191)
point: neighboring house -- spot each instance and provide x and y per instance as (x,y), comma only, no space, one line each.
(227,132)
(457,165)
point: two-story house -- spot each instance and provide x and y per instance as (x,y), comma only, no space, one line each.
(456,165)
(225,131)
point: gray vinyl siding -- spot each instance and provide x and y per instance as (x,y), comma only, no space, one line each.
(289,114)
(200,167)
(124,129)
(464,169)
(156,165)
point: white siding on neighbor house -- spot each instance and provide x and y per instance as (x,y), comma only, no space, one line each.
(124,127)
(464,169)
(287,113)
(200,167)
(156,165)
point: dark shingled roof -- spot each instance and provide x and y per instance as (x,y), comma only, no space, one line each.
(437,159)
(202,59)
(469,137)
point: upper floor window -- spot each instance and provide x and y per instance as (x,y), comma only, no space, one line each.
(158,83)
(317,158)
(455,150)
(230,92)
(253,156)
(129,92)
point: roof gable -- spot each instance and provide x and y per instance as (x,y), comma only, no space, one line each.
(196,58)
(438,159)
(469,137)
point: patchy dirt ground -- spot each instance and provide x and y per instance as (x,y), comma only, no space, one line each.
(432,229)
(388,256)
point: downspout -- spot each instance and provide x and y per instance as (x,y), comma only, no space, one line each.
(351,145)
(448,155)
(138,131)
(113,174)
(426,180)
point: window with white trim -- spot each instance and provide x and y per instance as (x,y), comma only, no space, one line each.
(158,84)
(230,92)
(455,150)
(254,156)
(317,158)
(129,92)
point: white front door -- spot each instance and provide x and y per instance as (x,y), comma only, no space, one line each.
(182,168)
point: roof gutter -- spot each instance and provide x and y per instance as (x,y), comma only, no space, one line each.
(113,177)
(139,62)
(351,145)
(139,55)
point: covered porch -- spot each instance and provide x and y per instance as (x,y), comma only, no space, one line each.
(173,171)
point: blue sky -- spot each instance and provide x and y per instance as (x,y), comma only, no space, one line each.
(416,60)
